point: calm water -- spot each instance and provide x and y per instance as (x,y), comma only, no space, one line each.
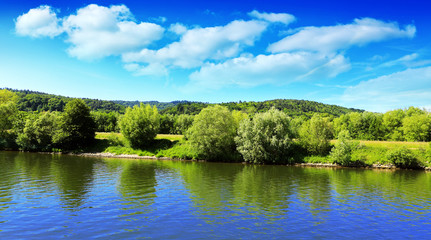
(51,197)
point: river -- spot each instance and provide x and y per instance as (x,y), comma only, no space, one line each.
(45,196)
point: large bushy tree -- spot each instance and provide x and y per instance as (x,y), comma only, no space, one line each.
(140,125)
(8,111)
(417,127)
(77,126)
(39,132)
(213,132)
(266,138)
(315,135)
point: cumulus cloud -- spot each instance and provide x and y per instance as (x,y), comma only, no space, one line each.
(97,31)
(38,22)
(273,17)
(401,89)
(178,28)
(201,44)
(283,68)
(215,56)
(334,38)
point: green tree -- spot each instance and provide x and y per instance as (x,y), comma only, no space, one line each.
(77,127)
(266,138)
(8,111)
(182,123)
(213,132)
(341,153)
(315,135)
(393,124)
(105,121)
(167,122)
(238,117)
(39,132)
(140,125)
(56,104)
(417,127)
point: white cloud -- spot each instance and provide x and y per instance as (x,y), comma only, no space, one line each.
(97,31)
(276,69)
(201,44)
(38,22)
(334,38)
(178,28)
(273,17)
(401,89)
(148,70)
(402,60)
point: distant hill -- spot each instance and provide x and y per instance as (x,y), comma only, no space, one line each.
(293,108)
(38,101)
(159,105)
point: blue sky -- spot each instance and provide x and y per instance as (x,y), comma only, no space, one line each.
(368,55)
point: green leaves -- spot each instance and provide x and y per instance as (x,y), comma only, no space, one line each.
(213,132)
(266,138)
(140,125)
(77,126)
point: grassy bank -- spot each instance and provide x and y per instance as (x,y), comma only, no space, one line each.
(368,153)
(164,145)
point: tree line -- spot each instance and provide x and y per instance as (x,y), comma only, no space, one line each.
(36,101)
(216,132)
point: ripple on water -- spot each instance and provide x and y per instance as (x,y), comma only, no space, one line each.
(70,197)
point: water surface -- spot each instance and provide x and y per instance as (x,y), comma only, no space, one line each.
(52,196)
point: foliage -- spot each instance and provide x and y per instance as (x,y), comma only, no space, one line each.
(417,127)
(167,122)
(402,158)
(393,123)
(140,125)
(160,105)
(8,110)
(77,127)
(106,121)
(39,132)
(182,123)
(266,138)
(296,124)
(37,101)
(238,117)
(293,108)
(341,153)
(213,132)
(315,135)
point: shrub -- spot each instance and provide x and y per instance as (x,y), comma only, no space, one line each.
(39,132)
(212,133)
(341,153)
(266,138)
(402,158)
(140,125)
(315,135)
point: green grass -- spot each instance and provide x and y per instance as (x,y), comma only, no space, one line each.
(390,144)
(171,137)
(164,145)
(317,159)
(175,146)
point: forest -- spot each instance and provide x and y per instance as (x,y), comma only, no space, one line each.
(276,131)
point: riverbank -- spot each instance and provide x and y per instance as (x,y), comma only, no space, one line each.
(317,165)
